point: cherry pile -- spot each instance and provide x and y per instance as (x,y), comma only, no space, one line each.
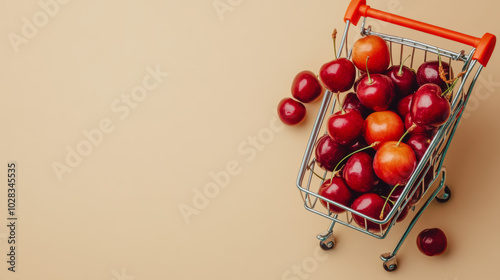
(381,130)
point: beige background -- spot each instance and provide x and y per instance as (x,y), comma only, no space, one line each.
(116,215)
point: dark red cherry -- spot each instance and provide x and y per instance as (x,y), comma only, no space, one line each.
(358,173)
(335,190)
(329,153)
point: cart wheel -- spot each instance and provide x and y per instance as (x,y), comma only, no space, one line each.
(445,197)
(390,261)
(390,267)
(328,244)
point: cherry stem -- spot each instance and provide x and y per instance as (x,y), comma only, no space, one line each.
(334,172)
(385,197)
(442,74)
(412,127)
(338,102)
(317,175)
(357,151)
(368,72)
(334,38)
(400,72)
(386,201)
(450,88)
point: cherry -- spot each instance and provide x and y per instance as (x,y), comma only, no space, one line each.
(383,126)
(396,192)
(345,127)
(403,210)
(432,242)
(336,190)
(404,213)
(361,76)
(418,129)
(338,75)
(403,106)
(371,46)
(351,101)
(359,144)
(306,87)
(329,153)
(428,72)
(291,112)
(429,107)
(358,173)
(394,162)
(419,143)
(428,177)
(375,91)
(403,78)
(373,206)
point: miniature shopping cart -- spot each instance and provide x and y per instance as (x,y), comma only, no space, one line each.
(431,165)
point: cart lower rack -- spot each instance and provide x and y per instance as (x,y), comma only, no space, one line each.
(428,179)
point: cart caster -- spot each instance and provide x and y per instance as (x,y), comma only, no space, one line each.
(390,267)
(327,244)
(446,195)
(390,262)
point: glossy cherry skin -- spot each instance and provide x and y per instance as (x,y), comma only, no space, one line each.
(394,164)
(428,72)
(376,48)
(329,153)
(358,173)
(428,107)
(432,242)
(351,101)
(383,126)
(405,82)
(345,127)
(338,75)
(403,106)
(376,92)
(291,112)
(419,143)
(418,129)
(371,205)
(336,190)
(306,87)
(360,77)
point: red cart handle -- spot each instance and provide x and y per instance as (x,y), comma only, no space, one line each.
(484,46)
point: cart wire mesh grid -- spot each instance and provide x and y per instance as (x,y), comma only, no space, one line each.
(428,179)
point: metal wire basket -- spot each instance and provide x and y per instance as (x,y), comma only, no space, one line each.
(430,175)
